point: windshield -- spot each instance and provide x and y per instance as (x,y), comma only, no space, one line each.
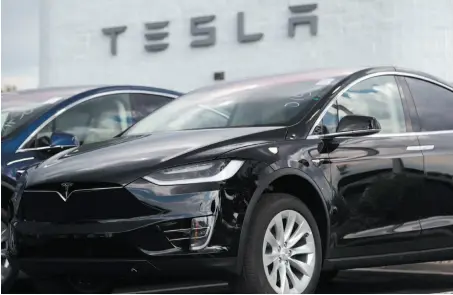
(238,106)
(14,118)
(20,108)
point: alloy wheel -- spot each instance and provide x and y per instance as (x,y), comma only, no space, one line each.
(289,253)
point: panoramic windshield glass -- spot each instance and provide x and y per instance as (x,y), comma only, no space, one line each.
(237,106)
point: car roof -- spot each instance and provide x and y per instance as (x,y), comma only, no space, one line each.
(259,83)
(321,75)
(54,94)
(269,80)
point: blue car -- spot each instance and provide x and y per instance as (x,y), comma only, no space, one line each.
(37,124)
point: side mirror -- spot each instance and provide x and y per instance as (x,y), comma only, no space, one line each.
(63,140)
(355,125)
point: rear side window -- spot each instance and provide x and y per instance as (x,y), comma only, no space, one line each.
(434,105)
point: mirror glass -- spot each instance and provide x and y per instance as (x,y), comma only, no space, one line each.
(61,139)
(352,123)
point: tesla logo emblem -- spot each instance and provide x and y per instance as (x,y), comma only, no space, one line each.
(66,187)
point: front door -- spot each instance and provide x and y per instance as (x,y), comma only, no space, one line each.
(376,179)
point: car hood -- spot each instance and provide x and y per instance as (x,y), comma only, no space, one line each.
(124,159)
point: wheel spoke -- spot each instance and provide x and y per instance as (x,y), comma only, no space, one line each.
(270,239)
(269,258)
(308,248)
(298,234)
(290,225)
(279,230)
(304,268)
(286,290)
(288,235)
(273,274)
(292,277)
(283,279)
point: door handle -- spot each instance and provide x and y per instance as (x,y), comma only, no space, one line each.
(420,148)
(320,161)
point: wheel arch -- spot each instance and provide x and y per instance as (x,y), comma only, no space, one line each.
(265,184)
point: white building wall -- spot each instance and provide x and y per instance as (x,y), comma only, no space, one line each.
(409,33)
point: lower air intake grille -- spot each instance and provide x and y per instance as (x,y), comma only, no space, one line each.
(115,203)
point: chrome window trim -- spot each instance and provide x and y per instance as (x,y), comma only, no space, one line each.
(388,73)
(37,130)
(421,133)
(19,160)
(44,148)
(77,190)
(345,133)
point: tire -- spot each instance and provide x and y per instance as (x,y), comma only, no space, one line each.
(69,286)
(254,277)
(11,271)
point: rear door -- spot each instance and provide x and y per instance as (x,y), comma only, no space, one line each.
(434,105)
(376,178)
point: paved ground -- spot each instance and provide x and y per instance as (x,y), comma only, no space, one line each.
(422,278)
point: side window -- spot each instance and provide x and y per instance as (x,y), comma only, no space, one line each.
(378,97)
(144,104)
(434,105)
(95,120)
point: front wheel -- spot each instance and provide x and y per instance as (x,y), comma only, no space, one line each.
(284,249)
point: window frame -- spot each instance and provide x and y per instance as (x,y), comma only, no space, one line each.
(406,98)
(70,106)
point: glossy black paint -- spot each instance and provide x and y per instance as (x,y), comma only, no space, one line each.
(371,196)
(377,184)
(436,218)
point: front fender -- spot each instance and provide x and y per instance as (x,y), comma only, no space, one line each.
(264,184)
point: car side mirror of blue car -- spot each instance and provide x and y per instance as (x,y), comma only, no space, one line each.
(63,140)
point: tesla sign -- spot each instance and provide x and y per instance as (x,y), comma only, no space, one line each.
(156,33)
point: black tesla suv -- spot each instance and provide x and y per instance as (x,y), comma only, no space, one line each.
(280,181)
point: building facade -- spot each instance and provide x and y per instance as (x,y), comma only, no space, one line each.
(185,44)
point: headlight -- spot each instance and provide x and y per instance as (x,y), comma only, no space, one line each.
(213,171)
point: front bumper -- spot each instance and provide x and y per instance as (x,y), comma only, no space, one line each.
(160,240)
(126,268)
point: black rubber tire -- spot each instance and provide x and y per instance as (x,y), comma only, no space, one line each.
(253,278)
(8,283)
(63,286)
(327,276)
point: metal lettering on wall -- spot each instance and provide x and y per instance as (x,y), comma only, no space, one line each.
(203,30)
